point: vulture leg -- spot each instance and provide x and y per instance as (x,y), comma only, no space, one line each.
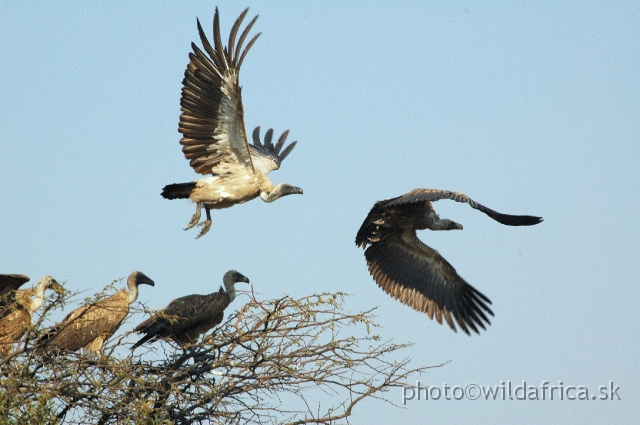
(196,217)
(206,225)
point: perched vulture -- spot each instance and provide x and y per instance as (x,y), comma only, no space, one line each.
(415,274)
(214,137)
(16,315)
(90,325)
(186,318)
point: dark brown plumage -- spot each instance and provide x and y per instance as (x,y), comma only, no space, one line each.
(214,137)
(417,275)
(17,313)
(186,318)
(90,325)
(8,284)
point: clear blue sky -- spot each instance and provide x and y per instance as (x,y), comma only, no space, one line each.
(527,108)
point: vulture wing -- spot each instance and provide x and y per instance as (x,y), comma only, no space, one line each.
(432,195)
(9,283)
(266,156)
(14,320)
(421,278)
(212,120)
(185,318)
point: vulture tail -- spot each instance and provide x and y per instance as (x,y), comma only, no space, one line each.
(142,341)
(178,190)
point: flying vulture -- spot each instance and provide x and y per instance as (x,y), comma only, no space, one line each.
(214,137)
(16,315)
(90,325)
(186,318)
(415,274)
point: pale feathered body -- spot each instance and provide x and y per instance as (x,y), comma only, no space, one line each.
(90,325)
(415,274)
(16,316)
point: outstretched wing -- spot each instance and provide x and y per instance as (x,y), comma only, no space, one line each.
(266,156)
(212,120)
(421,278)
(432,195)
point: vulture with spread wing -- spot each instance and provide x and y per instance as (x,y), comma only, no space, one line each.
(186,318)
(214,137)
(90,325)
(415,274)
(16,314)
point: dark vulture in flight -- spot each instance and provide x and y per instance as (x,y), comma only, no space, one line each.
(16,314)
(90,325)
(214,137)
(415,274)
(186,318)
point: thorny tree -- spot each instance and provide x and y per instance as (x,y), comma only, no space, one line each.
(287,360)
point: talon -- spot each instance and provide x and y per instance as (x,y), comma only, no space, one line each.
(195,218)
(206,225)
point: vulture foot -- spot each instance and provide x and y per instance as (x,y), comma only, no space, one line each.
(195,218)
(206,225)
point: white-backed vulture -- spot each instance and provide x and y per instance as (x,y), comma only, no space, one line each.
(186,318)
(90,325)
(415,274)
(214,137)
(16,315)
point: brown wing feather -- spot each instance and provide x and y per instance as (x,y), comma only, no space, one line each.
(421,278)
(432,195)
(82,326)
(185,318)
(212,120)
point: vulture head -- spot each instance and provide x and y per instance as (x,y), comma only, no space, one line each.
(46,282)
(139,278)
(135,279)
(234,276)
(230,279)
(447,224)
(287,189)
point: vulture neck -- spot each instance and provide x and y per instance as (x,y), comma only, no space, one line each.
(269,192)
(133,290)
(37,303)
(230,287)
